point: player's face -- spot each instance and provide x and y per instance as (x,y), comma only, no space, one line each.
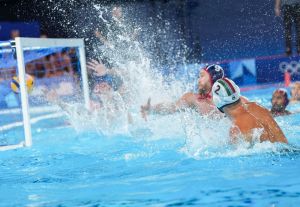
(278,101)
(204,85)
(296,91)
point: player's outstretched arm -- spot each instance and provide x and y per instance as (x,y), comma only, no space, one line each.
(164,108)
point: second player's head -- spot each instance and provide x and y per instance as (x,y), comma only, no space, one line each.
(279,100)
(208,76)
(295,91)
(225,93)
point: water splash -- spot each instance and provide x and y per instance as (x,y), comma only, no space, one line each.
(140,64)
(140,71)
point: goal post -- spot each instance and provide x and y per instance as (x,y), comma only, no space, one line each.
(26,44)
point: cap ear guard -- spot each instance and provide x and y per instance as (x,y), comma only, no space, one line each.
(287,102)
(217,100)
(221,108)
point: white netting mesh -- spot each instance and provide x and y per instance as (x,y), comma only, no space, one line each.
(53,69)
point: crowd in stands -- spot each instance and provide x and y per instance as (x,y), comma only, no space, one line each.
(56,64)
(51,65)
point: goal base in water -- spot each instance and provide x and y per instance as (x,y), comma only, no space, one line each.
(12,147)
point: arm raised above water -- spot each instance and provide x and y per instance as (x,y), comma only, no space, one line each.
(185,101)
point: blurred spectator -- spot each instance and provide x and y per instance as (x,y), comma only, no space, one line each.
(74,60)
(55,64)
(14,33)
(40,70)
(44,36)
(30,68)
(291,13)
(56,61)
(47,65)
(66,62)
(295,92)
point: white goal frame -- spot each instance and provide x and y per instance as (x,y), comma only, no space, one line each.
(39,43)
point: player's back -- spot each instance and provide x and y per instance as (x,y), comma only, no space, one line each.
(272,131)
(246,124)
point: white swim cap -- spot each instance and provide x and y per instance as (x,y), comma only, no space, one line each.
(225,92)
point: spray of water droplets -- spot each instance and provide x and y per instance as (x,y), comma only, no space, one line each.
(139,51)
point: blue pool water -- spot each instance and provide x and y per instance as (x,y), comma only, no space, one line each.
(65,167)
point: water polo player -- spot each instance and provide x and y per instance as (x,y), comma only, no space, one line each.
(201,101)
(250,121)
(280,101)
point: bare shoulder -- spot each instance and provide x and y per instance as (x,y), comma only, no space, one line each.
(188,96)
(187,99)
(256,106)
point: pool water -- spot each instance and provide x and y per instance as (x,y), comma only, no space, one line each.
(152,166)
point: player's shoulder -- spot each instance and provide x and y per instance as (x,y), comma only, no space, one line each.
(244,99)
(189,95)
(256,106)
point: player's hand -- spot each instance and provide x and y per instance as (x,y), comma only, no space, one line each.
(97,67)
(145,109)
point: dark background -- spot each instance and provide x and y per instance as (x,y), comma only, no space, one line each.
(214,30)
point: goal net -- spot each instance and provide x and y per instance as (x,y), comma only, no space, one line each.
(53,65)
